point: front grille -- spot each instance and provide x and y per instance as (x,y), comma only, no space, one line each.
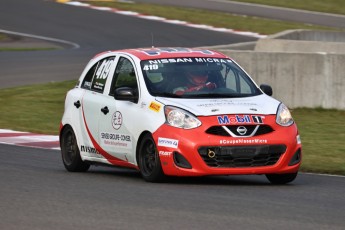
(220,131)
(241,156)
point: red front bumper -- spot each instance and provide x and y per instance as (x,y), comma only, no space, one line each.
(209,154)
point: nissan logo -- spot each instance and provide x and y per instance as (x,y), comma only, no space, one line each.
(241,130)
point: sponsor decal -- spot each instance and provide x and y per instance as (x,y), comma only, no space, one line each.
(213,60)
(240,119)
(116,120)
(153,64)
(166,142)
(98,86)
(87,84)
(298,139)
(220,102)
(105,154)
(116,140)
(165,153)
(88,149)
(243,141)
(155,106)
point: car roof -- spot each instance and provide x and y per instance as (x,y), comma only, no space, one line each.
(170,52)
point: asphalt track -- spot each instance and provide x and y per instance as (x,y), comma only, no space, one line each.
(284,14)
(94,31)
(37,193)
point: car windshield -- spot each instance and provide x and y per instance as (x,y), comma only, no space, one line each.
(197,78)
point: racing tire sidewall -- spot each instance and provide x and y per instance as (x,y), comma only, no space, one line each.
(149,162)
(70,152)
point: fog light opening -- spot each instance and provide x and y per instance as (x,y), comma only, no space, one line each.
(181,161)
(296,158)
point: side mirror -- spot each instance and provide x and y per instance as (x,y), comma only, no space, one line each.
(126,94)
(266,89)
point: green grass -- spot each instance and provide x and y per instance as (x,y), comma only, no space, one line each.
(12,47)
(36,108)
(39,108)
(327,6)
(323,139)
(3,37)
(212,18)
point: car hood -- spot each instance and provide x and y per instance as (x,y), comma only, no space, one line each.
(261,104)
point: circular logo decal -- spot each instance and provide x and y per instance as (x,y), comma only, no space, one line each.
(116,120)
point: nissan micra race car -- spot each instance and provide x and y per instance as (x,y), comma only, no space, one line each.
(177,112)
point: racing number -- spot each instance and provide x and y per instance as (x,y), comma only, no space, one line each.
(150,67)
(103,70)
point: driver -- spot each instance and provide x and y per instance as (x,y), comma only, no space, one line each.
(197,80)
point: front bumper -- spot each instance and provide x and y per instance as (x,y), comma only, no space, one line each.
(196,152)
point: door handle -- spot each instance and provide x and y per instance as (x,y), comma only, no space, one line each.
(105,110)
(77,104)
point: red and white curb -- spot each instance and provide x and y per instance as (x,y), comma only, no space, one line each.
(155,18)
(29,139)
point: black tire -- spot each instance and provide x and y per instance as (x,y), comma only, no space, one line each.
(149,163)
(281,178)
(70,152)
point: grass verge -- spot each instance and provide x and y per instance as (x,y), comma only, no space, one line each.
(323,138)
(39,108)
(16,43)
(36,108)
(3,37)
(212,18)
(329,6)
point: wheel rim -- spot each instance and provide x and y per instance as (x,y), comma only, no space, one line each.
(149,158)
(70,151)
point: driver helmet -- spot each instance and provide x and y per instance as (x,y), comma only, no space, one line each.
(197,77)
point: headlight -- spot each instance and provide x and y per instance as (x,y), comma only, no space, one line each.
(284,117)
(180,118)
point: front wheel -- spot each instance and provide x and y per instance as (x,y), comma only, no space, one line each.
(149,163)
(70,152)
(281,178)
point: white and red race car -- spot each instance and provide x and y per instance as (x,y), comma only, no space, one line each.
(177,112)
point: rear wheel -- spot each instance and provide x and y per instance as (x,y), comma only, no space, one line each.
(281,178)
(70,152)
(149,163)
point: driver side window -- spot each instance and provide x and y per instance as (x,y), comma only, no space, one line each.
(237,81)
(124,76)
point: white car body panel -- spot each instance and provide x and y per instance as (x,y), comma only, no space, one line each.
(261,104)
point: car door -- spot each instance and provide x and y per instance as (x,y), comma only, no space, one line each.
(92,108)
(116,127)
